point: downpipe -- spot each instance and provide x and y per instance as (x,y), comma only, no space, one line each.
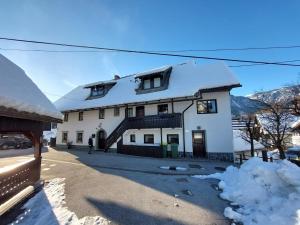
(183,127)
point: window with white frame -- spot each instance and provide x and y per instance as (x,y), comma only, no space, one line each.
(79,137)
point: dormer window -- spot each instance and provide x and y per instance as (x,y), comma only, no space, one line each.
(152,81)
(99,89)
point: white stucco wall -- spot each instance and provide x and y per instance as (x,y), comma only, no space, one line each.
(217,126)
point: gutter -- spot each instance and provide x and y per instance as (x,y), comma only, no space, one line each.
(183,127)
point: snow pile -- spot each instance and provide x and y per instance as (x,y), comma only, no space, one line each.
(262,193)
(47,208)
(17,91)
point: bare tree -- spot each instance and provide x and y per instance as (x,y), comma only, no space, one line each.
(251,131)
(275,118)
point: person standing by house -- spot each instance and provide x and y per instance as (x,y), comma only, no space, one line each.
(90,145)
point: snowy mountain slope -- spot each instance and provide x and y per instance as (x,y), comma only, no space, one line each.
(242,105)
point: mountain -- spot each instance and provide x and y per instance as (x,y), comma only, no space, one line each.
(242,105)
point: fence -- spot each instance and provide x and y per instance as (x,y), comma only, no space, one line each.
(18,178)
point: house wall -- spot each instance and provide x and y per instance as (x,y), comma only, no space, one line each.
(218,127)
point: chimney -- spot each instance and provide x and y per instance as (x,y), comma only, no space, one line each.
(116,77)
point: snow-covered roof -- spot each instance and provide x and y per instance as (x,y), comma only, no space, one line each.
(18,92)
(153,71)
(185,80)
(239,144)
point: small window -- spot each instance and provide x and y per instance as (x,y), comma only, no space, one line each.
(207,106)
(173,138)
(64,137)
(101,113)
(79,137)
(149,139)
(80,116)
(66,117)
(116,111)
(130,112)
(162,109)
(97,91)
(157,82)
(132,137)
(147,84)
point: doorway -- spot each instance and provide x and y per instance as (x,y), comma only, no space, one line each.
(140,111)
(199,146)
(101,139)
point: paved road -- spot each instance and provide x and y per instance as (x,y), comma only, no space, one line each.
(134,190)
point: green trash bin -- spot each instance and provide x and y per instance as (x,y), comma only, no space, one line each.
(164,148)
(174,150)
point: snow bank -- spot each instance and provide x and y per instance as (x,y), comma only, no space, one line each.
(47,208)
(263,193)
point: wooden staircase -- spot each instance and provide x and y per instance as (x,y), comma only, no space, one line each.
(147,122)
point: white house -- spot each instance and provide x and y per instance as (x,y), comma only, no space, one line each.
(187,104)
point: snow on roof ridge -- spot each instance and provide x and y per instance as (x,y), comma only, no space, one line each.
(187,77)
(19,92)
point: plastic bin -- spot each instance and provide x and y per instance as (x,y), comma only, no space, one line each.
(174,150)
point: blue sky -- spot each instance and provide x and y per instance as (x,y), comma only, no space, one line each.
(149,25)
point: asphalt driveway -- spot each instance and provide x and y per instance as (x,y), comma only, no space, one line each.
(132,190)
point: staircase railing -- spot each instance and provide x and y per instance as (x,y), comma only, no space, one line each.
(154,121)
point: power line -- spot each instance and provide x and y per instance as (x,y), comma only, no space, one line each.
(99,51)
(148,52)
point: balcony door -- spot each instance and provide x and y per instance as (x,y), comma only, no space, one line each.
(140,111)
(199,146)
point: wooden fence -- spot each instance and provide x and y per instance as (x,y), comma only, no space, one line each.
(18,178)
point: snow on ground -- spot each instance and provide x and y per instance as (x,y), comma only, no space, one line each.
(261,193)
(47,208)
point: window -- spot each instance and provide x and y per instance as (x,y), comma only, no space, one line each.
(130,112)
(172,138)
(157,82)
(116,111)
(66,117)
(153,82)
(64,137)
(97,91)
(132,137)
(101,113)
(53,125)
(207,106)
(79,137)
(162,109)
(80,116)
(147,84)
(149,139)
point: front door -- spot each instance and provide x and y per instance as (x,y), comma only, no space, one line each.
(101,139)
(199,148)
(140,111)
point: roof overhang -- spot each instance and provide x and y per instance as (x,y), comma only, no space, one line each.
(13,113)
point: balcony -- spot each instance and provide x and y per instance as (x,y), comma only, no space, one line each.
(155,121)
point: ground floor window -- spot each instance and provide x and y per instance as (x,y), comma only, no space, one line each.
(79,137)
(149,139)
(162,109)
(64,137)
(173,138)
(132,137)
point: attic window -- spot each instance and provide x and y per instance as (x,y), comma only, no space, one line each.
(155,81)
(97,91)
